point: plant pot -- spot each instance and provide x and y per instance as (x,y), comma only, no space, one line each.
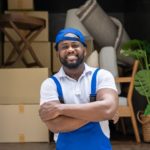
(145,121)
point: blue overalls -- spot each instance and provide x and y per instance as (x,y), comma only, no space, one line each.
(89,136)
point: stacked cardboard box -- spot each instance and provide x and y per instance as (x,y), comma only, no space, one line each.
(42,50)
(21,123)
(20,4)
(40,45)
(19,104)
(20,86)
(43,36)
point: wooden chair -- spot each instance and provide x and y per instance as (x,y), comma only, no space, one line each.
(108,61)
(125,103)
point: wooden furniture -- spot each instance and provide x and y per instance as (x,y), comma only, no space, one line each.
(32,26)
(126,109)
(108,61)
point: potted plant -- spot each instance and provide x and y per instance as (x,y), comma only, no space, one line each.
(140,50)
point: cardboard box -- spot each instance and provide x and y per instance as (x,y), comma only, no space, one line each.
(41,49)
(43,36)
(21,123)
(20,4)
(21,86)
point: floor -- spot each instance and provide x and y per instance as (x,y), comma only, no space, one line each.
(119,141)
(126,145)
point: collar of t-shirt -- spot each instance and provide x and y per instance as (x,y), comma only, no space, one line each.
(62,74)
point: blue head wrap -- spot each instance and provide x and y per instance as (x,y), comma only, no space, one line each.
(65,34)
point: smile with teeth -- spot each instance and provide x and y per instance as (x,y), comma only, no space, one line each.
(71,57)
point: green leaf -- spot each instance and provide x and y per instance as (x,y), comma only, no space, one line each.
(140,50)
(147,110)
(146,47)
(142,82)
(133,53)
(133,44)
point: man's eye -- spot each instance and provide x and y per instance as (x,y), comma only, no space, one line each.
(75,45)
(64,47)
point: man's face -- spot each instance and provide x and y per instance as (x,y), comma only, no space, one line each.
(71,53)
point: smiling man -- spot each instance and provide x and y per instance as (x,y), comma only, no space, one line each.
(78,101)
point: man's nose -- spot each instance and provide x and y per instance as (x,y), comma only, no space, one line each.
(70,49)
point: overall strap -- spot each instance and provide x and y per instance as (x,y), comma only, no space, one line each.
(93,86)
(59,89)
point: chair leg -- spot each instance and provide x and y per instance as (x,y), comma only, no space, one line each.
(135,127)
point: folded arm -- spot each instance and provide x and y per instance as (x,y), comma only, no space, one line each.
(103,109)
(67,117)
(64,124)
(58,123)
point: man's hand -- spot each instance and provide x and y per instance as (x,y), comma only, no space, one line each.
(49,110)
(51,115)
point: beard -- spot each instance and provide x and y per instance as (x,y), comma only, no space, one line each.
(73,65)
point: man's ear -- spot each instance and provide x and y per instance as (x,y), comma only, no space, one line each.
(85,51)
(57,53)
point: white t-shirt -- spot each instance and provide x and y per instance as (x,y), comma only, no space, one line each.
(77,92)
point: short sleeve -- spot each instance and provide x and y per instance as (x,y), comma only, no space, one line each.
(48,91)
(105,80)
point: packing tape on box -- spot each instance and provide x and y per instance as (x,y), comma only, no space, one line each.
(21,138)
(21,108)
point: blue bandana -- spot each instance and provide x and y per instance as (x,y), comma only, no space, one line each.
(71,34)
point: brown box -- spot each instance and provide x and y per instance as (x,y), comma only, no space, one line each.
(20,4)
(21,86)
(21,123)
(41,49)
(43,36)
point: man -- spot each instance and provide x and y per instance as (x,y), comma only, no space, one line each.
(68,104)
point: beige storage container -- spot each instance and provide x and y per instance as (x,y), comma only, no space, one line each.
(41,49)
(21,86)
(43,36)
(21,123)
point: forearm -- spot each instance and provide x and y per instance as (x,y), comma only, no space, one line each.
(64,124)
(102,109)
(94,111)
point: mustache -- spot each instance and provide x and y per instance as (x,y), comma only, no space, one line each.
(71,55)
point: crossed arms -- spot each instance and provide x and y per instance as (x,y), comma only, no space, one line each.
(67,117)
